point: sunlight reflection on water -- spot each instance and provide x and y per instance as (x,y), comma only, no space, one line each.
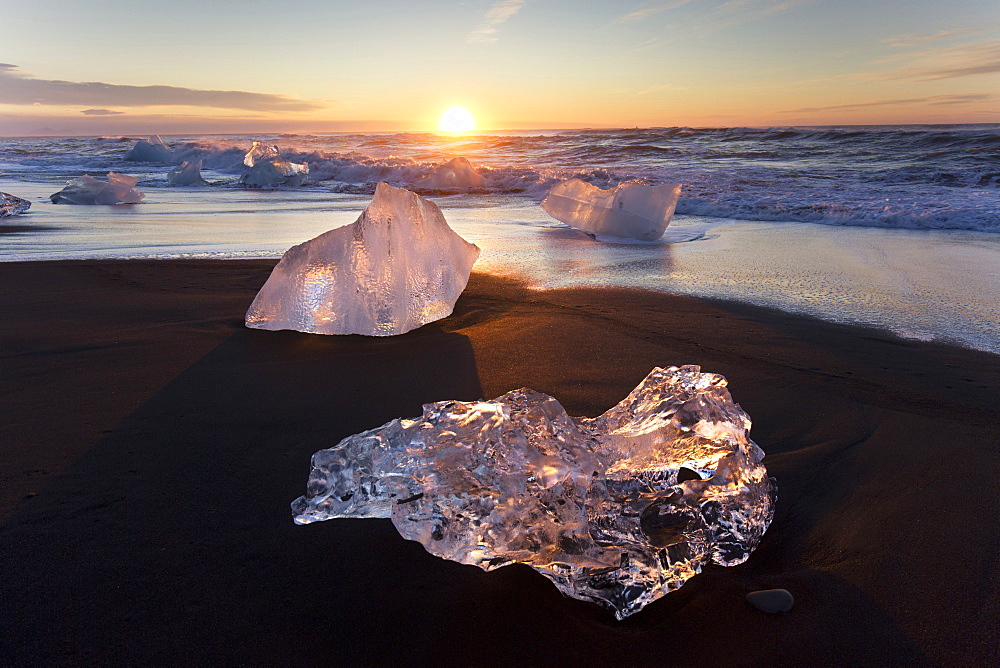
(919,284)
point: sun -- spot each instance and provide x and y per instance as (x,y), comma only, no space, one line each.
(457,120)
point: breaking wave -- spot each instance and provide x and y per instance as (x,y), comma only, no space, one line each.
(913,177)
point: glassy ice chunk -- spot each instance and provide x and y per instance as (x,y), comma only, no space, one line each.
(267,169)
(149,150)
(119,189)
(457,173)
(619,509)
(186,174)
(260,152)
(11,205)
(629,210)
(397,267)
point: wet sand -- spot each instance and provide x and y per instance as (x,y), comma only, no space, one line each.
(922,284)
(151,445)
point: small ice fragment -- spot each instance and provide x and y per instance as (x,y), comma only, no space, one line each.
(119,189)
(457,173)
(619,509)
(267,169)
(771,600)
(399,266)
(629,210)
(149,150)
(260,152)
(186,174)
(11,205)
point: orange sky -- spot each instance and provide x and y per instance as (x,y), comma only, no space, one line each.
(183,67)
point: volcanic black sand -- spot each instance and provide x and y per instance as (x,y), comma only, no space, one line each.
(151,445)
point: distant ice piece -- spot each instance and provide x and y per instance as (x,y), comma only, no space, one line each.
(149,150)
(269,170)
(456,174)
(11,205)
(399,266)
(119,189)
(186,174)
(619,509)
(629,210)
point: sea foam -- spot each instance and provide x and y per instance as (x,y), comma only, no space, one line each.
(929,177)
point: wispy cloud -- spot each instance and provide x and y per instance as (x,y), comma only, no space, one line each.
(959,99)
(660,88)
(737,12)
(916,40)
(715,16)
(19,88)
(650,43)
(497,14)
(949,62)
(646,11)
(980,68)
(100,112)
(720,15)
(931,99)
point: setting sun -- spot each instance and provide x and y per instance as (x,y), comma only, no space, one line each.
(456,119)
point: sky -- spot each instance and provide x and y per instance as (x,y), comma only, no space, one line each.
(186,66)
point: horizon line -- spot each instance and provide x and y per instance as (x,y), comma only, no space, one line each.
(540,128)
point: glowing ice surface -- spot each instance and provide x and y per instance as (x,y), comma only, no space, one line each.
(397,267)
(268,169)
(629,210)
(457,173)
(119,189)
(11,205)
(186,174)
(149,150)
(619,509)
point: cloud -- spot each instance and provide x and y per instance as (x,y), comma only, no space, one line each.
(52,122)
(737,12)
(950,62)
(720,15)
(495,15)
(932,99)
(660,88)
(649,43)
(100,112)
(990,66)
(959,99)
(915,40)
(19,88)
(649,10)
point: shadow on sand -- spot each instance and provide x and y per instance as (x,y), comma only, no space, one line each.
(171,540)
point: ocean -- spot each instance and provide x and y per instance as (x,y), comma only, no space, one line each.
(894,227)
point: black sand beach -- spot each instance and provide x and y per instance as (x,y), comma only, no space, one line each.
(151,445)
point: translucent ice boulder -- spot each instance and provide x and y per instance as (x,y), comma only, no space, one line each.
(119,189)
(11,205)
(629,210)
(186,174)
(149,150)
(399,266)
(456,174)
(267,169)
(619,509)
